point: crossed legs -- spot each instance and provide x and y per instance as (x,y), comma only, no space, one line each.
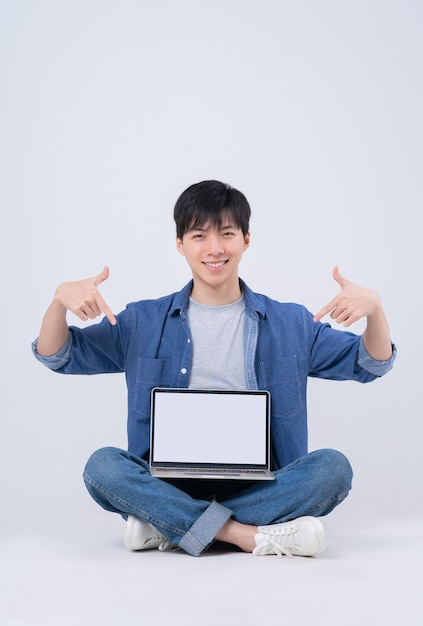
(311,486)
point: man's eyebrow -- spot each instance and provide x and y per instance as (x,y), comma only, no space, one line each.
(194,228)
(204,230)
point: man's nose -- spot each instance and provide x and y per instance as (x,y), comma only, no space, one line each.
(215,246)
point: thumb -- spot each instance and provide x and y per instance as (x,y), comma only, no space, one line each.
(102,277)
(337,276)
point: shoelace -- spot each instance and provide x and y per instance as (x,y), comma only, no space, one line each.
(167,545)
(269,546)
(281,544)
(161,542)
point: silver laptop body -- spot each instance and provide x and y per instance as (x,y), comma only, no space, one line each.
(210,434)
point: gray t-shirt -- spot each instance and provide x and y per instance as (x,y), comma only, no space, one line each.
(218,345)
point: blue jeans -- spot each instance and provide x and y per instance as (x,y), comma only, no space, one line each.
(191,513)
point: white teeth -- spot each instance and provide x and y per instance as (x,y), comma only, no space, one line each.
(216,264)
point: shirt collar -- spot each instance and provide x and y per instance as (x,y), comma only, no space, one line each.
(253,305)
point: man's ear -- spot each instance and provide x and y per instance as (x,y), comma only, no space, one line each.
(247,241)
(180,246)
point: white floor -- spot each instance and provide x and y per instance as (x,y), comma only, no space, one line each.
(75,571)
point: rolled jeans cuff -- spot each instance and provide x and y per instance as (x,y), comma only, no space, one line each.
(204,530)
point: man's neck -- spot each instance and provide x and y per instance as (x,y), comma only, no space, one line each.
(216,296)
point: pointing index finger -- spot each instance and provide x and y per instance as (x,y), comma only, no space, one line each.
(326,309)
(106,310)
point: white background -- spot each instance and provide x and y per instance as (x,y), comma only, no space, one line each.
(109,110)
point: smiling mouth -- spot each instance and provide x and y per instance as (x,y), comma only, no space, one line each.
(215,265)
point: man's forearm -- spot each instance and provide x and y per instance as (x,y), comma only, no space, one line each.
(377,338)
(54,330)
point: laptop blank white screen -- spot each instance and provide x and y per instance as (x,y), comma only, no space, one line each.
(209,428)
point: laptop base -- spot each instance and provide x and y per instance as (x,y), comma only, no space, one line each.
(171,472)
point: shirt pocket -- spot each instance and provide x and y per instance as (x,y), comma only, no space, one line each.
(150,373)
(282,380)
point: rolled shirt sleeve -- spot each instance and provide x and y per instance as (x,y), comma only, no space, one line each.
(367,362)
(55,361)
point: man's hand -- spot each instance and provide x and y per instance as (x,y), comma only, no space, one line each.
(84,299)
(351,304)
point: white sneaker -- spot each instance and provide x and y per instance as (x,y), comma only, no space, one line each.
(304,536)
(143,536)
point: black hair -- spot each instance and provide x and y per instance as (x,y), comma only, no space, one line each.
(211,202)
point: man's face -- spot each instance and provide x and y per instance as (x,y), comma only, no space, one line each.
(213,254)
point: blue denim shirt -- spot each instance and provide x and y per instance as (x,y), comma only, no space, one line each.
(151,344)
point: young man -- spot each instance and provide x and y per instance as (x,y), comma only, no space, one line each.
(216,333)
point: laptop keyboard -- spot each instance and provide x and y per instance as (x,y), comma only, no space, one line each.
(209,470)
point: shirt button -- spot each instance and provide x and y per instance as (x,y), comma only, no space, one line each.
(189,340)
(183,370)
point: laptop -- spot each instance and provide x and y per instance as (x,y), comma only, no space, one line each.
(216,434)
